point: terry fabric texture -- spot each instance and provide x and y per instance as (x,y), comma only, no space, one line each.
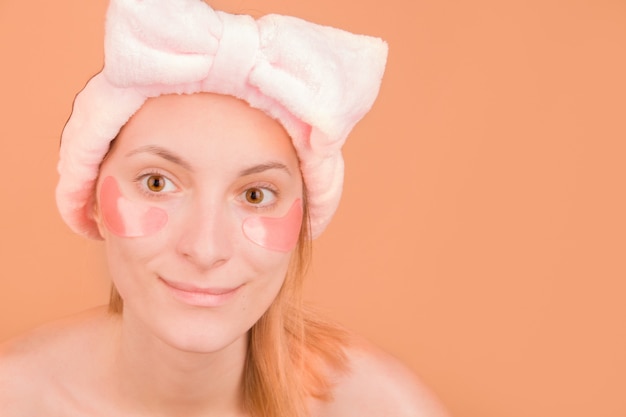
(317,81)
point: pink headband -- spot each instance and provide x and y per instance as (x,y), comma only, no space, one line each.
(317,81)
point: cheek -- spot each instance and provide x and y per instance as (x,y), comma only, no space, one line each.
(126,218)
(275,233)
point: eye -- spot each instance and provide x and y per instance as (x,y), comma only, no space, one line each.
(254,195)
(157,183)
(260,196)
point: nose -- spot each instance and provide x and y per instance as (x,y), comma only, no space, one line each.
(206,235)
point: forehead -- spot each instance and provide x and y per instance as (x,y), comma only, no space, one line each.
(205,126)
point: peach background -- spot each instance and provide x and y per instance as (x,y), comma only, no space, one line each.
(482,235)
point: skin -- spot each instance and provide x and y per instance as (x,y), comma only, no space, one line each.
(166,356)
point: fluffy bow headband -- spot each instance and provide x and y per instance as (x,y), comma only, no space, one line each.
(317,81)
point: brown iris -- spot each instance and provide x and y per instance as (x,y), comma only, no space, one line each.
(156,183)
(254,195)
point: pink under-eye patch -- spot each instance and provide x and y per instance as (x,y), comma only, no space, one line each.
(275,233)
(127,218)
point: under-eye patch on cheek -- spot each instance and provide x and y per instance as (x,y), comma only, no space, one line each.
(275,233)
(127,218)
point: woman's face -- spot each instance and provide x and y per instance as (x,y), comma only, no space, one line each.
(199,203)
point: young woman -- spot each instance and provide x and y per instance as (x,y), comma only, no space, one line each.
(207,155)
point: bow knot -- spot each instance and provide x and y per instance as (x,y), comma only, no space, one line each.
(325,77)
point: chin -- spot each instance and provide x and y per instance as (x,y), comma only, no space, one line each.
(204,331)
(201,344)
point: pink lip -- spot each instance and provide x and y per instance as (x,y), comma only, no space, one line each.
(198,296)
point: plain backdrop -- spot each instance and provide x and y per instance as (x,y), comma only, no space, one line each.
(481,236)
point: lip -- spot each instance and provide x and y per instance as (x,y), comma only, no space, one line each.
(200,296)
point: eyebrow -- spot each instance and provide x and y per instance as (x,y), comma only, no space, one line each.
(163,153)
(264,167)
(172,157)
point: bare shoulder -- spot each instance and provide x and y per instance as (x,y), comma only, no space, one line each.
(16,385)
(379,385)
(31,364)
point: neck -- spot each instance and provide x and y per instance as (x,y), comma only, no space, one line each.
(162,380)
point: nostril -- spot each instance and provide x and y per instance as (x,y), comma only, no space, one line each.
(205,258)
(219,263)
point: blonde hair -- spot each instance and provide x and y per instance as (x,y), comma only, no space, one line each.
(292,350)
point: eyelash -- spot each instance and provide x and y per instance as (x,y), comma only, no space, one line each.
(264,187)
(141,184)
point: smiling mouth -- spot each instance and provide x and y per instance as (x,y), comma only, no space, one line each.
(199,296)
